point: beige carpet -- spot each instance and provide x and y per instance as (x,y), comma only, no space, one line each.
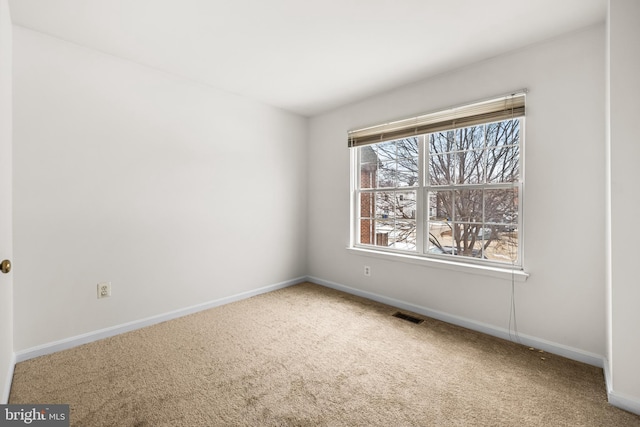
(311,356)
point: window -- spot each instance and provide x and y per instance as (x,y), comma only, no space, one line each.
(428,186)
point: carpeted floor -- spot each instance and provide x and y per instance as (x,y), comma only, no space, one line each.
(311,356)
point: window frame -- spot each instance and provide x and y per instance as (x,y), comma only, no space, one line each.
(422,190)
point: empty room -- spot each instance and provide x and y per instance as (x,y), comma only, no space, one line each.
(336,213)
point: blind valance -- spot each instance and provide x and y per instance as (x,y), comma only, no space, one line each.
(493,110)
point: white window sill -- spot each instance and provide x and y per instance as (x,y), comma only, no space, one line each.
(517,275)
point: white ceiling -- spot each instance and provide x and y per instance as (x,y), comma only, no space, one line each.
(306,56)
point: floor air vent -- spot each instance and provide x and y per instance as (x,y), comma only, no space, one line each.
(408,318)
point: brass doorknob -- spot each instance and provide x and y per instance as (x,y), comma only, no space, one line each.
(5,266)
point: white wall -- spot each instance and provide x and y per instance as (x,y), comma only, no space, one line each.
(624,146)
(175,192)
(6,280)
(563,300)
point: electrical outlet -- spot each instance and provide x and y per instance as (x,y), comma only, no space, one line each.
(367,270)
(104,290)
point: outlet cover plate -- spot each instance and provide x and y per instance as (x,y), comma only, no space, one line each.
(104,290)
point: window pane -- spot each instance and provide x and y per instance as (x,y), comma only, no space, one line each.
(503,133)
(407,159)
(386,151)
(366,232)
(503,247)
(471,165)
(471,138)
(405,204)
(440,239)
(407,148)
(408,172)
(503,154)
(403,236)
(467,205)
(501,206)
(503,164)
(442,142)
(368,167)
(368,175)
(367,212)
(385,206)
(382,231)
(387,174)
(440,205)
(442,169)
(367,205)
(390,164)
(466,240)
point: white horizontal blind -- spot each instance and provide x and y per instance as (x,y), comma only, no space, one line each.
(503,108)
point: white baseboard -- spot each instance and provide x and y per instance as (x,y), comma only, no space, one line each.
(541,344)
(75,341)
(624,402)
(6,390)
(617,399)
